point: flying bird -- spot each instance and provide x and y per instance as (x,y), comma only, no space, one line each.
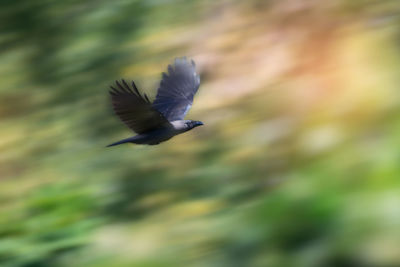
(164,118)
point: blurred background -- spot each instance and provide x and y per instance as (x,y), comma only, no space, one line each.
(297,164)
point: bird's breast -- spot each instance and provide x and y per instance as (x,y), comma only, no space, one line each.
(154,137)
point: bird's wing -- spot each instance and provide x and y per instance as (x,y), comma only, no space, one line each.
(134,109)
(177,89)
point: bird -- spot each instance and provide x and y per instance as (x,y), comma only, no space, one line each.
(160,120)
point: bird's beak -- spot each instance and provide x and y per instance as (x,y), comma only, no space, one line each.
(199,123)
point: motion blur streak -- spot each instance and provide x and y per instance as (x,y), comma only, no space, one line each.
(298,164)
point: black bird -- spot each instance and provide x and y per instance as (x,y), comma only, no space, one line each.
(163,119)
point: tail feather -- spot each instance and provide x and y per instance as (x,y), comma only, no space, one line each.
(123,141)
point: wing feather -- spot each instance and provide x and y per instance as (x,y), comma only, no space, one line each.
(177,89)
(134,109)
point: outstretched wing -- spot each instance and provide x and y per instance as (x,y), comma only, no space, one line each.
(177,89)
(135,110)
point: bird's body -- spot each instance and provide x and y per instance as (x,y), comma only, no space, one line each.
(160,135)
(163,119)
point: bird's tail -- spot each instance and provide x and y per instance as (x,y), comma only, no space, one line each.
(123,141)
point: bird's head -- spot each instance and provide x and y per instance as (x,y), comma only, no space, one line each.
(185,125)
(193,124)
